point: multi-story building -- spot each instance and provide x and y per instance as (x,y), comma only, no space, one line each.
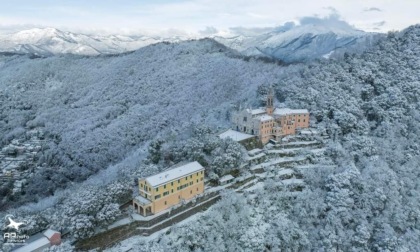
(270,122)
(168,188)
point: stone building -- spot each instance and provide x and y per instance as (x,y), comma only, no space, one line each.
(270,122)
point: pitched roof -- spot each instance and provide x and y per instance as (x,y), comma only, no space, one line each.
(287,111)
(226,178)
(256,111)
(264,118)
(174,173)
(235,135)
(37,244)
(49,233)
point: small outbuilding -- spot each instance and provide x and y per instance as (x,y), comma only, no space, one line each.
(53,236)
(226,179)
(41,242)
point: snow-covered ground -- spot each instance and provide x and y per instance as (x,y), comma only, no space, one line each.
(127,245)
(252,185)
(278,161)
(255,157)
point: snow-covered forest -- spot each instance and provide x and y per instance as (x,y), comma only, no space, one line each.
(369,105)
(103,118)
(96,111)
(109,118)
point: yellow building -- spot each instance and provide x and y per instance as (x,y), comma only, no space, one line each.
(168,188)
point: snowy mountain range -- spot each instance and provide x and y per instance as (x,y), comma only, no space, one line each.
(304,42)
(289,43)
(51,41)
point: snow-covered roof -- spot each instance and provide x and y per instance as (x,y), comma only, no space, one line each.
(254,151)
(264,118)
(37,244)
(49,233)
(256,111)
(308,132)
(292,181)
(226,178)
(235,135)
(174,173)
(287,111)
(142,200)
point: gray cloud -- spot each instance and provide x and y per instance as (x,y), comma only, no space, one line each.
(372,9)
(8,29)
(382,23)
(332,20)
(249,31)
(254,31)
(332,9)
(210,30)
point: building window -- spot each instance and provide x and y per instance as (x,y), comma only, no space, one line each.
(191,183)
(186,178)
(164,187)
(179,181)
(190,176)
(172,183)
(197,180)
(197,173)
(141,185)
(298,120)
(191,192)
(165,193)
(165,202)
(172,190)
(201,172)
(303,120)
(197,189)
(245,119)
(157,189)
(157,196)
(179,196)
(201,179)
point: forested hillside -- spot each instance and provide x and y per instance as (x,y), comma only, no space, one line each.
(103,112)
(370,106)
(96,110)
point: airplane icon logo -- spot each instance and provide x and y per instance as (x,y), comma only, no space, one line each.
(14,224)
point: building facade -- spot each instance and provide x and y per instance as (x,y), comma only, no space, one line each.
(270,122)
(169,188)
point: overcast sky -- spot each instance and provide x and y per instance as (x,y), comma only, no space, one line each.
(192,16)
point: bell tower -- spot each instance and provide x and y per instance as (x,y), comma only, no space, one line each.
(269,105)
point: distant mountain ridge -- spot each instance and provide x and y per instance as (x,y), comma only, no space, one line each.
(51,41)
(287,43)
(304,42)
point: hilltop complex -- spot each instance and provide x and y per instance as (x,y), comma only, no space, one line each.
(270,122)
